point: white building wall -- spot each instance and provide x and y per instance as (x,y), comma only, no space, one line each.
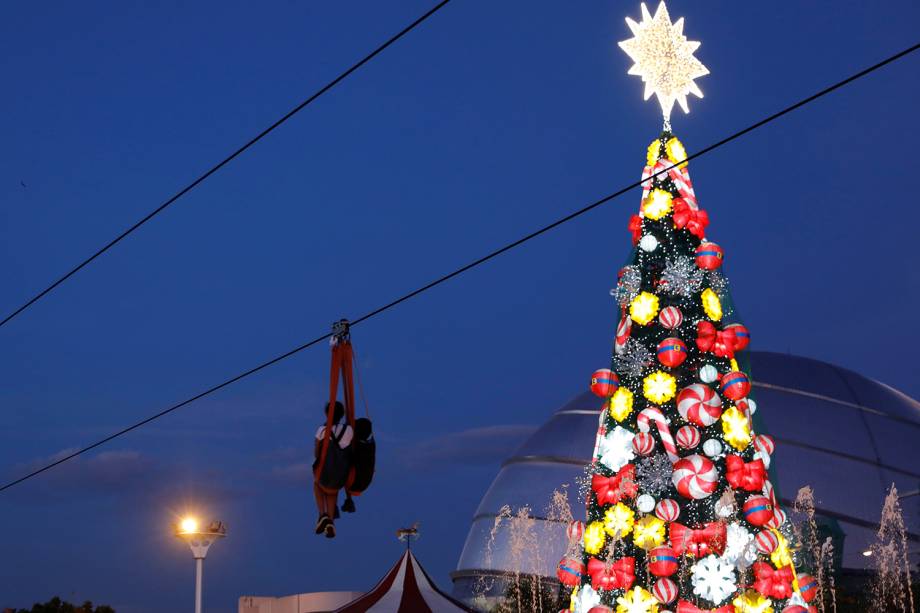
(314,602)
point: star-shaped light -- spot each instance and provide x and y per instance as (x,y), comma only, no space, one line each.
(664,59)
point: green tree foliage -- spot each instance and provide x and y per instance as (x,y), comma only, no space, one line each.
(56,605)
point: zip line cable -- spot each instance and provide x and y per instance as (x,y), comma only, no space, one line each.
(202,178)
(463,269)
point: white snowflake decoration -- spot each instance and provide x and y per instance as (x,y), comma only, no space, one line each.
(740,548)
(713,579)
(615,449)
(586,599)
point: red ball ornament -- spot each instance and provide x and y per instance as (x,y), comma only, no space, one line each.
(667,509)
(662,561)
(708,256)
(795,609)
(670,317)
(575,530)
(600,609)
(735,385)
(672,352)
(604,382)
(758,510)
(688,437)
(570,571)
(766,542)
(742,336)
(664,590)
(643,443)
(808,586)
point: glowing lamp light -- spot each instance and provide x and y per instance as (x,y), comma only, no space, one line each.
(648,532)
(658,204)
(637,600)
(867,553)
(618,520)
(621,404)
(735,429)
(643,308)
(711,304)
(188,525)
(595,537)
(659,387)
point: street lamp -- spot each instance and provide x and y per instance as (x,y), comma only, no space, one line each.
(199,539)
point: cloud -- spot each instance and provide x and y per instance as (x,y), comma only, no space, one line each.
(476,446)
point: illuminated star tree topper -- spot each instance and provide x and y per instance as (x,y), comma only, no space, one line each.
(663,58)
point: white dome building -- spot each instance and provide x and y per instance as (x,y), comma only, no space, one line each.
(845,435)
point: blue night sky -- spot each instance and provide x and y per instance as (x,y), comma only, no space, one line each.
(492,119)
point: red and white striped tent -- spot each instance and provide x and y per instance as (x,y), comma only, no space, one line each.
(407,588)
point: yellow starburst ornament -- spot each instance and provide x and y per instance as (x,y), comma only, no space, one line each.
(781,556)
(618,520)
(621,404)
(676,152)
(643,308)
(751,601)
(659,387)
(735,429)
(658,204)
(663,58)
(595,537)
(654,152)
(711,304)
(648,532)
(637,600)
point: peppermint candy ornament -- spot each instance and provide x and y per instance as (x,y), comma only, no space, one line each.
(688,437)
(695,477)
(667,510)
(664,590)
(699,404)
(670,317)
(623,331)
(643,444)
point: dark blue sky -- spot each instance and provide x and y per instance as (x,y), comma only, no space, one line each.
(492,119)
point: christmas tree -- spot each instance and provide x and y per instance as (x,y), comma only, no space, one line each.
(681,514)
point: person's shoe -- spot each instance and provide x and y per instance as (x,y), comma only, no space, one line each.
(321,523)
(348,506)
(330,530)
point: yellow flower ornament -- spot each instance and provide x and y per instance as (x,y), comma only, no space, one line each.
(657,204)
(676,152)
(637,600)
(648,532)
(659,387)
(735,429)
(618,520)
(643,308)
(595,537)
(711,304)
(751,601)
(621,404)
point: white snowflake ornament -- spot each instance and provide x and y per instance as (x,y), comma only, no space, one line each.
(586,599)
(615,450)
(740,548)
(713,579)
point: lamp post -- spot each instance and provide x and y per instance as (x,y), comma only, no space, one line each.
(199,539)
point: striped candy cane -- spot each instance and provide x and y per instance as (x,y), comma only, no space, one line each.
(654,415)
(679,176)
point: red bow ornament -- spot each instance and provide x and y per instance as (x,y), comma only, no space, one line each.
(773,583)
(744,476)
(698,542)
(688,607)
(695,221)
(721,343)
(635,226)
(611,490)
(618,575)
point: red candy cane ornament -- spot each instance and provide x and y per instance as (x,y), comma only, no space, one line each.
(654,415)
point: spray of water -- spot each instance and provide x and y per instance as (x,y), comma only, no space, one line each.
(891,588)
(819,554)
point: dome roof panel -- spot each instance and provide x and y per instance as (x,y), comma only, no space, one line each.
(530,483)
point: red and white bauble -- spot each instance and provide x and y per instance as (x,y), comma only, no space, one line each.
(664,590)
(672,352)
(764,444)
(695,477)
(662,561)
(778,519)
(575,531)
(643,443)
(604,382)
(624,328)
(667,509)
(766,542)
(688,437)
(709,256)
(699,404)
(735,385)
(758,510)
(670,317)
(742,336)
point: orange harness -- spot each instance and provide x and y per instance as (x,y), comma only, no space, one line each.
(342,360)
